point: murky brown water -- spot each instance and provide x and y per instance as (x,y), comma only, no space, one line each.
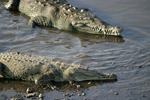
(127,56)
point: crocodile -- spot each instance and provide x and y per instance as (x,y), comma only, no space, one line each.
(62,15)
(42,71)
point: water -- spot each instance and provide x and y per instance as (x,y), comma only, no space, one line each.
(128,56)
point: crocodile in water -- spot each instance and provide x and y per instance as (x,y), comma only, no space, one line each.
(62,15)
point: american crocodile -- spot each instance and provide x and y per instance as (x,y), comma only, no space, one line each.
(62,15)
(42,71)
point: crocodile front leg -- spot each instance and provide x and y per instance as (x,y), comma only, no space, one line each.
(40,20)
(12,4)
(44,79)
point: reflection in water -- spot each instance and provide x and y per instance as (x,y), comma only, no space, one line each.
(14,12)
(97,39)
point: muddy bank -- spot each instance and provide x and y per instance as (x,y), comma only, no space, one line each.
(22,90)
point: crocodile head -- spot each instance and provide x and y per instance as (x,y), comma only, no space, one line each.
(95,26)
(80,74)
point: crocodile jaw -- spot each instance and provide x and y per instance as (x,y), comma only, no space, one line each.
(80,74)
(95,26)
(98,76)
(106,30)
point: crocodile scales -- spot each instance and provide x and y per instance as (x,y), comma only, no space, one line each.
(42,71)
(62,15)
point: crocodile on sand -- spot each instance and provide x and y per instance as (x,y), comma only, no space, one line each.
(42,71)
(62,15)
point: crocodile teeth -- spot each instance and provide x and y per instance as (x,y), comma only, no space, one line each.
(96,29)
(108,32)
